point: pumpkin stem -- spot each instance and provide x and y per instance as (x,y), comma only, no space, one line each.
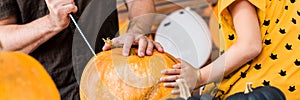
(248,88)
(110,43)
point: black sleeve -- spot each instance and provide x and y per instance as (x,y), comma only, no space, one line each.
(8,8)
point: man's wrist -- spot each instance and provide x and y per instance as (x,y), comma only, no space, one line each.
(51,27)
(136,31)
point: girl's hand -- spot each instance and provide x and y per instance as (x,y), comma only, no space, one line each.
(183,71)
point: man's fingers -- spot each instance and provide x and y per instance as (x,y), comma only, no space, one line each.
(158,46)
(72,1)
(171,71)
(145,45)
(67,9)
(55,4)
(109,44)
(149,47)
(127,46)
(142,46)
(169,78)
(74,9)
(115,41)
(106,47)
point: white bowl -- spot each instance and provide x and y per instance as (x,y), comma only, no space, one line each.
(185,35)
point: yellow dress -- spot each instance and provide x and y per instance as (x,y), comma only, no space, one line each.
(279,62)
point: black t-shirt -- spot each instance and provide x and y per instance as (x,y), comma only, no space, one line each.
(56,54)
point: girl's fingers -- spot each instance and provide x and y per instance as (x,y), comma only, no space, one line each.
(171,71)
(177,66)
(176,91)
(170,84)
(172,78)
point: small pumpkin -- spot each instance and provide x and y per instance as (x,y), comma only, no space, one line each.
(23,77)
(259,93)
(109,75)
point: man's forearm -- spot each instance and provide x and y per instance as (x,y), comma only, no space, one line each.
(140,7)
(26,37)
(141,15)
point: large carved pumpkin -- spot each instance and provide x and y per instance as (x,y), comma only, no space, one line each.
(113,76)
(24,78)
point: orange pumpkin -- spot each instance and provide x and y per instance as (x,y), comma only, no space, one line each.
(113,76)
(24,78)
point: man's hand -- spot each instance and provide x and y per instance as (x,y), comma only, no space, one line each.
(27,37)
(145,44)
(183,71)
(59,11)
(141,17)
